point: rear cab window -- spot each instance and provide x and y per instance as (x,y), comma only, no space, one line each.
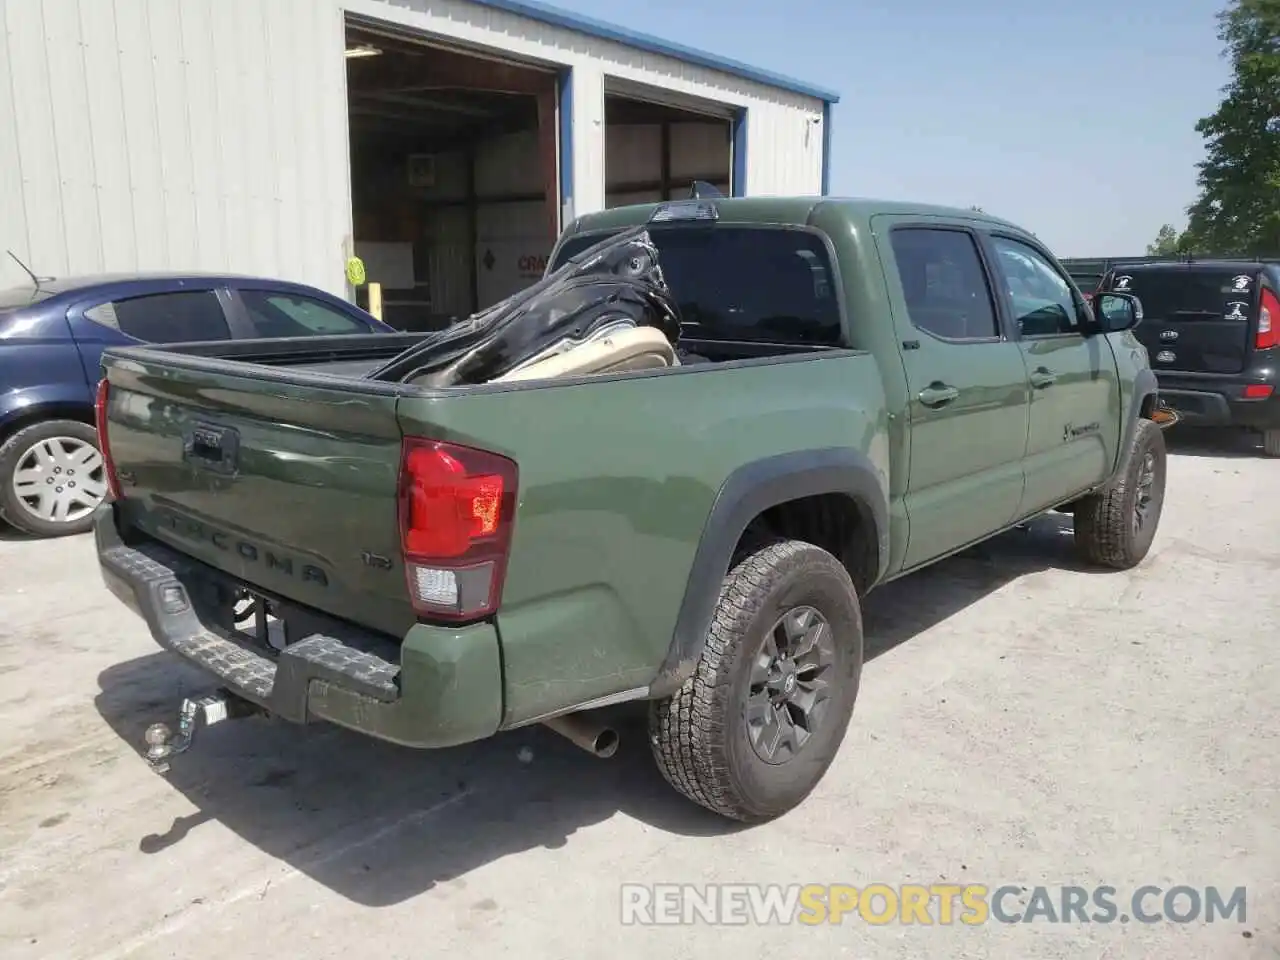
(744,284)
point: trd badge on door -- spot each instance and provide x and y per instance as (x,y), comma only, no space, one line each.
(1168,334)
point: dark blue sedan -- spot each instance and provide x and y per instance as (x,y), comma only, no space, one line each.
(52,335)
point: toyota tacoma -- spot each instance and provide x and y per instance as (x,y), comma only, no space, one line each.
(670,473)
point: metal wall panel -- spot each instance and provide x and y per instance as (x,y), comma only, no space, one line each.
(212,134)
(174,135)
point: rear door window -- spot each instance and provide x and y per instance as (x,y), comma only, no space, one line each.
(1184,294)
(181,316)
(944,284)
(744,284)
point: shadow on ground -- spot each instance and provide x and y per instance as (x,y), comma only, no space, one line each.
(1218,443)
(12,533)
(902,609)
(376,823)
(380,824)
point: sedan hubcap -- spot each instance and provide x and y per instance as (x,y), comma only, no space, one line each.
(60,479)
(789,684)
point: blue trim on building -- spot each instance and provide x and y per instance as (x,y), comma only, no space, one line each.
(566,145)
(738,177)
(826,149)
(643,41)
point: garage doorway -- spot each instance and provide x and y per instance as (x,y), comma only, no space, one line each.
(656,147)
(454,182)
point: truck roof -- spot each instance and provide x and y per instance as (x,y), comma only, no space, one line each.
(784,210)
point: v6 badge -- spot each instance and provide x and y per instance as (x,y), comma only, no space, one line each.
(1166,356)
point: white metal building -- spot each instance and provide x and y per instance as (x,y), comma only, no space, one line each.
(446,142)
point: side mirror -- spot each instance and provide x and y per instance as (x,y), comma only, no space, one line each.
(1117,312)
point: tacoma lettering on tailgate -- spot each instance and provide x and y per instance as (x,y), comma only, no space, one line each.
(246,550)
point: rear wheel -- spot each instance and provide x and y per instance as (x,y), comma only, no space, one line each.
(1115,527)
(754,730)
(52,477)
(1271,443)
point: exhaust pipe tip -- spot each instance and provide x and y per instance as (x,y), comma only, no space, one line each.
(606,743)
(599,740)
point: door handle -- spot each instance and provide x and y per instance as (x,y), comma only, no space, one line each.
(938,394)
(1041,378)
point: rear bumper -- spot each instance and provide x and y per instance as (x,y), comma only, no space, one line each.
(1216,400)
(438,688)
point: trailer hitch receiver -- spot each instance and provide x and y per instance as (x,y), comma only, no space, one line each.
(196,712)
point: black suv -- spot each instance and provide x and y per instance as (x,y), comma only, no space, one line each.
(1212,328)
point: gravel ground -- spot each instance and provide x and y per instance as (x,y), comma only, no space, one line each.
(1022,721)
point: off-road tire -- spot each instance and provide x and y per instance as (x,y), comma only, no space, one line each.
(1104,521)
(1271,443)
(11,510)
(699,735)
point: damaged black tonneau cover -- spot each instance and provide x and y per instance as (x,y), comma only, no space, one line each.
(617,282)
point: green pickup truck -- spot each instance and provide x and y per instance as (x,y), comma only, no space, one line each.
(879,385)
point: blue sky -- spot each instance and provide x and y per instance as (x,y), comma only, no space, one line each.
(1074,119)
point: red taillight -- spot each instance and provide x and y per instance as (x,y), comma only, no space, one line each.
(457,506)
(1268,321)
(100,421)
(1258,391)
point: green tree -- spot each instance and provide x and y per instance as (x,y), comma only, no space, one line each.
(1238,210)
(1167,242)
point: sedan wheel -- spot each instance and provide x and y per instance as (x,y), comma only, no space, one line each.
(60,480)
(53,478)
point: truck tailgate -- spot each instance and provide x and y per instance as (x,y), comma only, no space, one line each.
(285,480)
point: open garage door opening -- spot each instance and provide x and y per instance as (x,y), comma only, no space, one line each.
(655,150)
(454,189)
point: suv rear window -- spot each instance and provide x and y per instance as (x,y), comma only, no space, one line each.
(745,284)
(1190,294)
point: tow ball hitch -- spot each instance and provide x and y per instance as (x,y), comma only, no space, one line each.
(196,712)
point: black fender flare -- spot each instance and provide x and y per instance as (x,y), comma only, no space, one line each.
(1145,387)
(747,492)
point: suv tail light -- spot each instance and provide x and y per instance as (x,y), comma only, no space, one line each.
(457,509)
(1268,321)
(100,422)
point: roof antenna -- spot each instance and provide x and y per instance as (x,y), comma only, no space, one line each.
(34,279)
(702,190)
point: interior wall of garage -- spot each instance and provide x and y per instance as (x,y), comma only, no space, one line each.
(634,157)
(212,134)
(510,243)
